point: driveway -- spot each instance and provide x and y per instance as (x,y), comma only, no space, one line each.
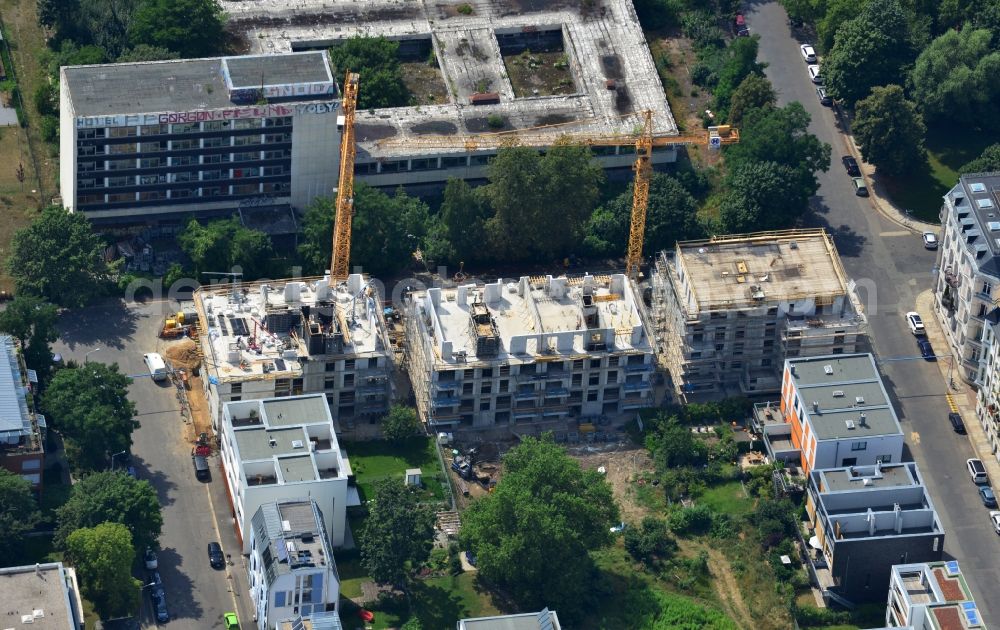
(892,268)
(196,594)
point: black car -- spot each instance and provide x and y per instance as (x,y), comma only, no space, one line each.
(956,422)
(159,600)
(201,470)
(851,165)
(926,351)
(215,557)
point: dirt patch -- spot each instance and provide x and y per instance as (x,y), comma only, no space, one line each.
(482,125)
(674,57)
(727,589)
(612,66)
(539,74)
(367,132)
(625,468)
(184,354)
(424,83)
(553,119)
(435,128)
(200,416)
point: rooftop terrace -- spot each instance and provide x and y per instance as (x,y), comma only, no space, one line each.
(601,44)
(750,270)
(294,537)
(940,588)
(532,319)
(267,330)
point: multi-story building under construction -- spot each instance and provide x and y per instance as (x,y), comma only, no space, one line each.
(729,310)
(292,337)
(542,353)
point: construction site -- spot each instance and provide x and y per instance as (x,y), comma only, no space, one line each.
(729,310)
(484,66)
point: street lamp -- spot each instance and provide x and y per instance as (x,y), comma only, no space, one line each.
(113,459)
(87,356)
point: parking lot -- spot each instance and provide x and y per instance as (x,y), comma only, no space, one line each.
(194,512)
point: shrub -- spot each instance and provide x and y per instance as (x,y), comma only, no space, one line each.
(650,542)
(495,121)
(691,520)
(465,9)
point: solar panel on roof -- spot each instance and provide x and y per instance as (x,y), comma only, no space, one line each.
(279,364)
(282,553)
(971,613)
(952,567)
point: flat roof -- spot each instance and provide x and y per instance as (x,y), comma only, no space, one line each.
(293,531)
(862,477)
(747,270)
(182,85)
(15,418)
(262,443)
(294,411)
(523,621)
(23,592)
(842,396)
(536,318)
(268,330)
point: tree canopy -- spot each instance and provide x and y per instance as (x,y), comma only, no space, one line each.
(869,50)
(376,60)
(988,160)
(190,28)
(545,512)
(954,79)
(754,92)
(889,131)
(58,257)
(18,512)
(397,534)
(220,245)
(740,63)
(102,557)
(89,406)
(761,196)
(114,497)
(400,424)
(32,321)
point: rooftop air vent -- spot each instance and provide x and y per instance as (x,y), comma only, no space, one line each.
(850,424)
(859,400)
(867,481)
(984,203)
(977,187)
(838,393)
(994,226)
(828,369)
(298,444)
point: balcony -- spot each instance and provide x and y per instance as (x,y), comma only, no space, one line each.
(444,402)
(639,367)
(638,386)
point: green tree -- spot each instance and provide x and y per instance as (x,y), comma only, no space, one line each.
(889,131)
(58,257)
(387,229)
(222,244)
(57,14)
(102,557)
(754,92)
(397,535)
(740,62)
(651,542)
(111,497)
(376,60)
(988,160)
(545,512)
(658,14)
(464,213)
(836,13)
(145,52)
(954,79)
(18,513)
(673,445)
(671,216)
(316,243)
(190,28)
(761,196)
(400,424)
(106,24)
(88,404)
(870,50)
(33,322)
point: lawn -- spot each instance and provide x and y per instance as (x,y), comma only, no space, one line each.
(438,602)
(374,460)
(948,149)
(727,498)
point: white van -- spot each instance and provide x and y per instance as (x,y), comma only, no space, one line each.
(154,363)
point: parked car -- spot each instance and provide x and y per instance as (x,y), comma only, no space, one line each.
(956,422)
(149,557)
(201,469)
(916,323)
(231,621)
(741,26)
(851,165)
(930,240)
(132,472)
(824,98)
(215,557)
(860,188)
(808,53)
(976,470)
(156,366)
(995,520)
(988,498)
(814,74)
(159,600)
(926,351)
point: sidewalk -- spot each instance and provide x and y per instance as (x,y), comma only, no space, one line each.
(961,397)
(876,192)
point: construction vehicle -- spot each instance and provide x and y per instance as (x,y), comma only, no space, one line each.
(179,324)
(340,264)
(643,139)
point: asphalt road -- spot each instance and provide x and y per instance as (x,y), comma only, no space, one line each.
(197,595)
(877,252)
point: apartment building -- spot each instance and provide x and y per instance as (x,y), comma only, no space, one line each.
(316,621)
(22,430)
(834,411)
(729,310)
(41,596)
(291,567)
(162,140)
(293,337)
(542,353)
(968,269)
(865,519)
(988,394)
(543,620)
(931,596)
(284,448)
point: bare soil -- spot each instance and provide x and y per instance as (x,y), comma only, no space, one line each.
(728,591)
(539,74)
(687,101)
(424,82)
(626,467)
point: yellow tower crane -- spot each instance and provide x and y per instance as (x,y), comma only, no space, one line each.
(340,264)
(643,140)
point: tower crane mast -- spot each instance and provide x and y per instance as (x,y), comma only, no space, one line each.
(340,263)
